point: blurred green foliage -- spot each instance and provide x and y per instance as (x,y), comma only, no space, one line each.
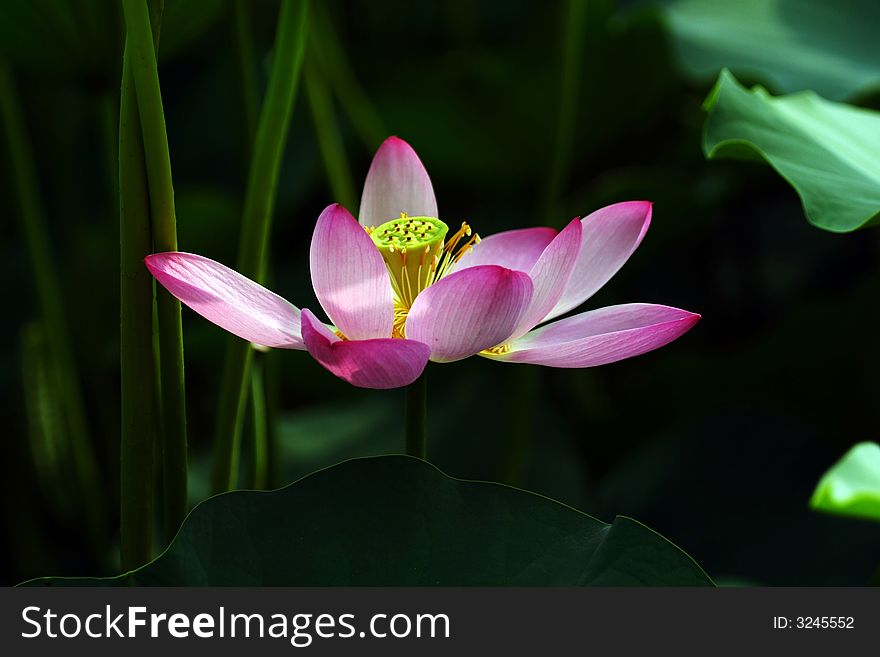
(852,486)
(792,45)
(716,441)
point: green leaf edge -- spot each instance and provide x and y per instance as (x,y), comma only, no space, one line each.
(128,576)
(851,507)
(726,79)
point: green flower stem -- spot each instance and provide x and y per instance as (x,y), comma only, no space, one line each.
(50,299)
(142,59)
(329,139)
(256,225)
(417,418)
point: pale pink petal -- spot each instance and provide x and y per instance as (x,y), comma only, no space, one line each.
(515,249)
(609,237)
(469,311)
(350,277)
(396,182)
(380,363)
(228,299)
(550,274)
(600,336)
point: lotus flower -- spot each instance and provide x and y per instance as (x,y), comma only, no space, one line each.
(401,290)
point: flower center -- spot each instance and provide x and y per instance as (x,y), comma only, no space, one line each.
(417,255)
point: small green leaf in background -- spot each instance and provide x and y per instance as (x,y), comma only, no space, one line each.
(829,152)
(852,486)
(830,47)
(398,521)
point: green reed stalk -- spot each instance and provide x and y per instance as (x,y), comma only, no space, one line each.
(136,339)
(327,48)
(329,139)
(142,59)
(245,61)
(262,412)
(139,375)
(259,203)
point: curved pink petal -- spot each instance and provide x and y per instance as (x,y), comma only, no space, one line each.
(600,336)
(469,311)
(396,182)
(350,277)
(550,274)
(515,249)
(380,363)
(609,237)
(228,299)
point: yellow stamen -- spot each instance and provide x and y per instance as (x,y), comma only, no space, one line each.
(417,256)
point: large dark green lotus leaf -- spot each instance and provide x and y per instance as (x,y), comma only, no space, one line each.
(396,520)
(792,45)
(829,152)
(852,486)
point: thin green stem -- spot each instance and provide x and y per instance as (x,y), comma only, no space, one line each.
(45,278)
(245,60)
(262,413)
(573,21)
(417,418)
(164,227)
(259,203)
(272,377)
(329,139)
(334,66)
(136,339)
(258,416)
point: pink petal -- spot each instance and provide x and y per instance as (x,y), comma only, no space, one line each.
(380,363)
(550,274)
(469,311)
(396,182)
(601,336)
(609,237)
(515,249)
(349,277)
(228,299)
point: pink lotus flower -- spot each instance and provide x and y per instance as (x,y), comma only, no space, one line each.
(401,291)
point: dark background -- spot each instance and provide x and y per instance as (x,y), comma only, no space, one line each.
(716,441)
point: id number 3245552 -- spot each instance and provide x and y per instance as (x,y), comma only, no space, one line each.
(813,623)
